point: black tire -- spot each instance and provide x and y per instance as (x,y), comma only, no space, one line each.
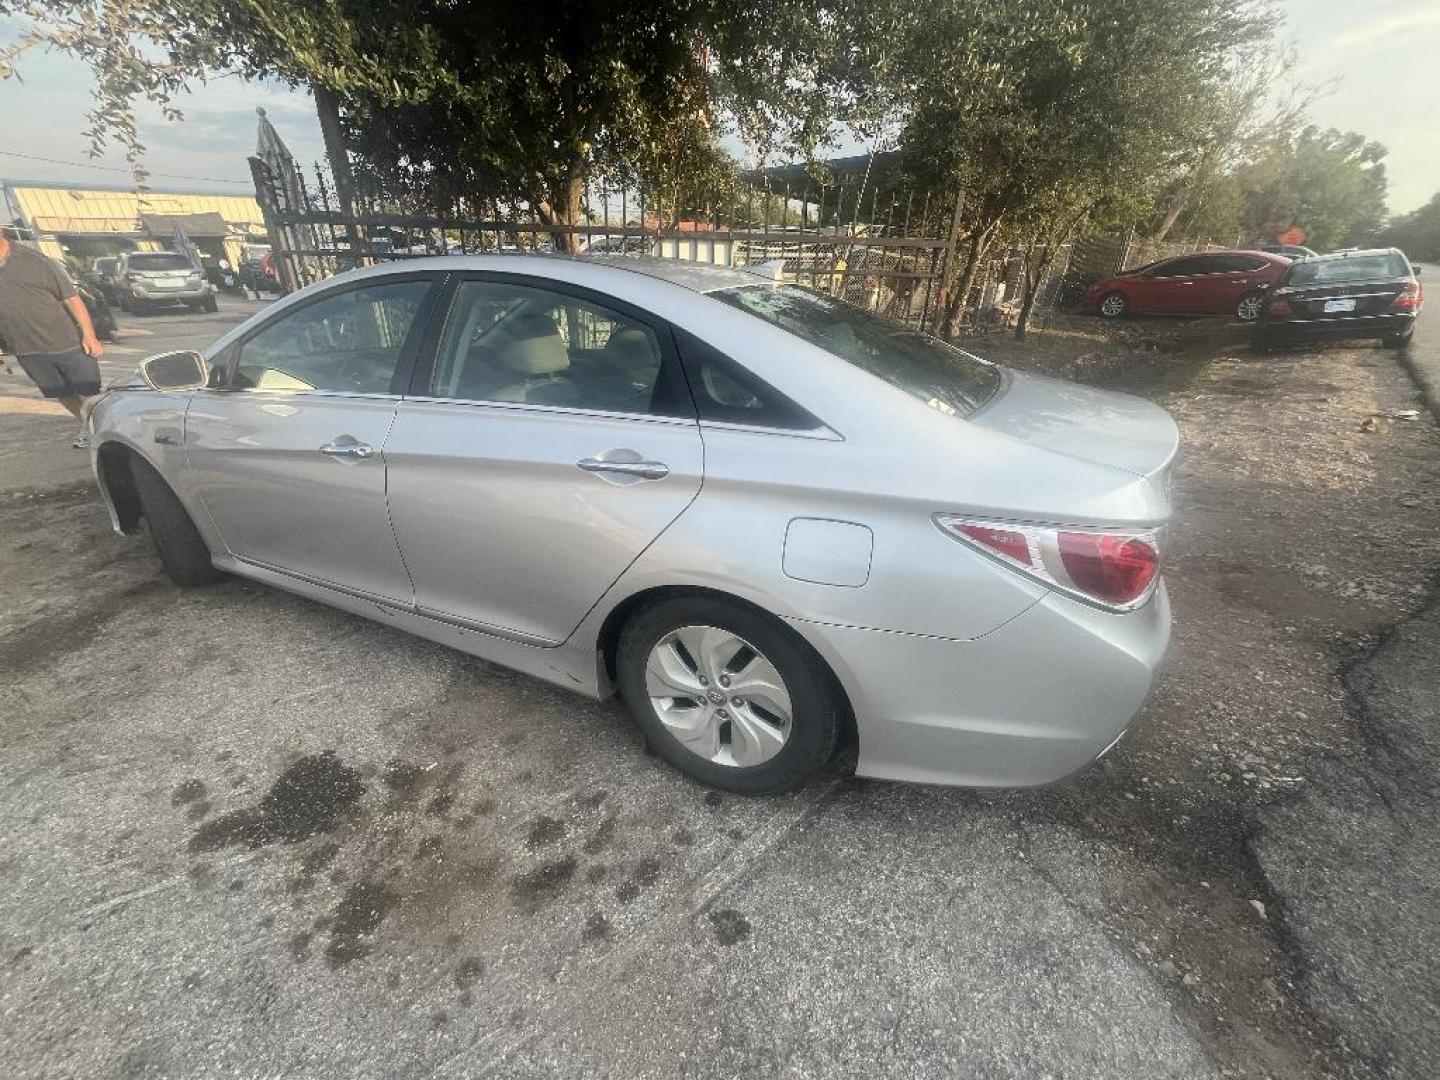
(1114,305)
(816,709)
(1399,341)
(182,551)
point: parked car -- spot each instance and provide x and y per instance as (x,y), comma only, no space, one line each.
(1349,294)
(756,511)
(148,279)
(1290,251)
(101,277)
(1229,283)
(101,317)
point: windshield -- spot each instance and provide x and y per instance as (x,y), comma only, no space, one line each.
(159,261)
(1351,268)
(945,378)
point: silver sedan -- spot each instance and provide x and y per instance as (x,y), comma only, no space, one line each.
(771,521)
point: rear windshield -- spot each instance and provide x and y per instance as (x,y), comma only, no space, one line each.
(158,261)
(944,377)
(1350,268)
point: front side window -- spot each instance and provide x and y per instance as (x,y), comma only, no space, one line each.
(348,341)
(944,377)
(525,345)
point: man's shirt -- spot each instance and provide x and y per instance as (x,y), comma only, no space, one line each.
(33,291)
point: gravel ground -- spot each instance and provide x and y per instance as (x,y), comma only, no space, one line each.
(246,835)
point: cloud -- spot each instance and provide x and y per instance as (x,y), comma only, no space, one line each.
(1374,29)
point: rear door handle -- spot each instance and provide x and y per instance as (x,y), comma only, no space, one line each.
(644,470)
(357,450)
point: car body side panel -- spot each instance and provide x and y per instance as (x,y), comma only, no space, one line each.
(987,712)
(500,526)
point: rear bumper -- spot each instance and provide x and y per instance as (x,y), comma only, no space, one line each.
(1362,326)
(178,296)
(1029,703)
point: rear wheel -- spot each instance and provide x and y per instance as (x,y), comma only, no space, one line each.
(1399,341)
(1250,306)
(1114,305)
(183,552)
(728,695)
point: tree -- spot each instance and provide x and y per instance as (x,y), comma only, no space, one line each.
(1418,232)
(478,96)
(1329,183)
(1048,111)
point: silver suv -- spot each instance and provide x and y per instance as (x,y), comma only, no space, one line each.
(147,279)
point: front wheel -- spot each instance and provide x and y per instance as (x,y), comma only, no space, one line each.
(728,695)
(183,552)
(1114,305)
(1249,307)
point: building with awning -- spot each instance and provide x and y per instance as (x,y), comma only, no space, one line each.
(84,223)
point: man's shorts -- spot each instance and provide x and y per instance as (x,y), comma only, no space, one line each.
(64,374)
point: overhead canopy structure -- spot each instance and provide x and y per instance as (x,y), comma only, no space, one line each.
(198,226)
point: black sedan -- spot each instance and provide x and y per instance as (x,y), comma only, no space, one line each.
(1347,294)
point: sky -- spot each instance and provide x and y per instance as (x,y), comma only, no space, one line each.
(1377,58)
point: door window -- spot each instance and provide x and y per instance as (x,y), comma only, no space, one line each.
(1239,264)
(351,341)
(507,342)
(1190,266)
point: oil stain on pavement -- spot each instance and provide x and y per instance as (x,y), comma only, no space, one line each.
(309,797)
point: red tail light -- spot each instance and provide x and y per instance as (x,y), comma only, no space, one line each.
(1116,569)
(1279,306)
(1410,298)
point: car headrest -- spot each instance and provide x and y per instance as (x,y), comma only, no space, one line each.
(533,348)
(631,342)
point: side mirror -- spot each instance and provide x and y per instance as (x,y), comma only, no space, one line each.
(1416,270)
(180,370)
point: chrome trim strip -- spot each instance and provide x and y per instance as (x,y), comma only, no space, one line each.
(409,609)
(310,579)
(563,410)
(485,628)
(824,433)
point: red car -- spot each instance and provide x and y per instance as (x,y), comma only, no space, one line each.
(1210,283)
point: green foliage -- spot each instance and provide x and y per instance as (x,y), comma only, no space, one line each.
(1418,232)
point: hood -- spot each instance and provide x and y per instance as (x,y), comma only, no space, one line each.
(1099,426)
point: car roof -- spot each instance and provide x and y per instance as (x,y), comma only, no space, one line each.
(1350,253)
(695,276)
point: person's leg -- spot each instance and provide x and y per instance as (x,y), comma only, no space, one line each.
(74,405)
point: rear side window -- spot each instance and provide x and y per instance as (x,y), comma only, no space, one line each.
(947,379)
(147,261)
(726,392)
(1350,268)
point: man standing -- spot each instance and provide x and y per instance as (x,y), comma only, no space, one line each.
(44,323)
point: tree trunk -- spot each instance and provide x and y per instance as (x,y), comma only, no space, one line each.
(947,263)
(979,244)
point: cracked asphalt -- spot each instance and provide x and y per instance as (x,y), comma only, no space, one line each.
(244,835)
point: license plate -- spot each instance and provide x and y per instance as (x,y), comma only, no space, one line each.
(164,284)
(1339,305)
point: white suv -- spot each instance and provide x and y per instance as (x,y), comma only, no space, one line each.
(147,279)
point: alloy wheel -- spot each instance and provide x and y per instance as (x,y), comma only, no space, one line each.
(1248,310)
(720,697)
(1113,305)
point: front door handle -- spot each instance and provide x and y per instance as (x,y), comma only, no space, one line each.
(644,470)
(357,450)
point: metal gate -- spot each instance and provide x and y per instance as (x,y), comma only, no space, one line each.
(857,233)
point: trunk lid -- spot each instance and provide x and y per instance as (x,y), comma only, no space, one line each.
(1099,426)
(1352,298)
